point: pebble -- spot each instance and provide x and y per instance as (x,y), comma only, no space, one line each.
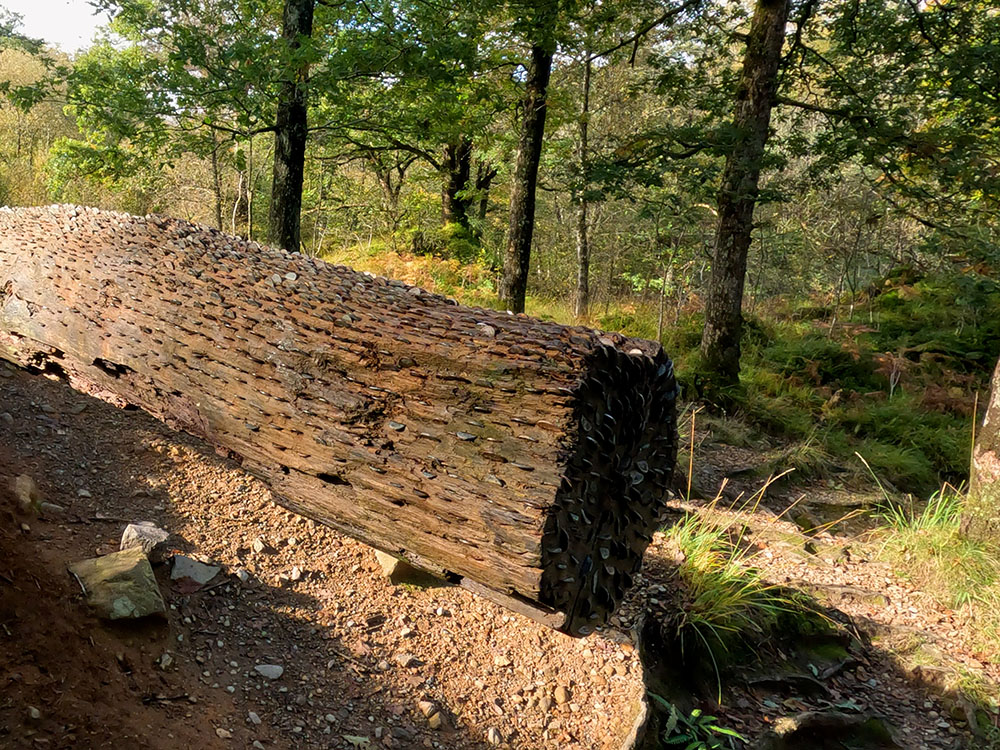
(493,736)
(6,418)
(270,671)
(427,708)
(258,745)
(223,733)
(34,714)
(435,721)
(561,695)
(407,660)
(244,575)
(83,493)
(253,718)
(166,661)
(296,574)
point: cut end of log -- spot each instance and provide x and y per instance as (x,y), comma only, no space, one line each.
(616,480)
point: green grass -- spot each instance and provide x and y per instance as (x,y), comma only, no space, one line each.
(727,605)
(927,547)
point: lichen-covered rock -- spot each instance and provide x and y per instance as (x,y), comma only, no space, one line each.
(120,585)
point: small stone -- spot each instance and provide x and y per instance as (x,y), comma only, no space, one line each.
(407,632)
(187,567)
(6,419)
(435,720)
(224,734)
(407,660)
(34,714)
(270,671)
(29,497)
(260,546)
(165,661)
(83,493)
(493,736)
(244,575)
(253,718)
(501,661)
(545,703)
(258,745)
(427,708)
(145,535)
(330,719)
(296,574)
(561,695)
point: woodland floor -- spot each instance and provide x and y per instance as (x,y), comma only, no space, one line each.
(343,632)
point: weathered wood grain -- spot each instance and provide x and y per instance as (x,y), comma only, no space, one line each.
(530,458)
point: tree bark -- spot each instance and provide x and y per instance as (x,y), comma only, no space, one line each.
(582,237)
(981,515)
(484,181)
(720,343)
(457,168)
(530,458)
(517,257)
(290,133)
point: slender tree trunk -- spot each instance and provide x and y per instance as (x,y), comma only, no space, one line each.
(484,181)
(720,343)
(217,182)
(457,167)
(290,131)
(514,282)
(582,238)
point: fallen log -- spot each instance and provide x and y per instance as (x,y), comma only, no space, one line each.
(528,460)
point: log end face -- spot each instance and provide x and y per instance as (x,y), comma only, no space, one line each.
(617,473)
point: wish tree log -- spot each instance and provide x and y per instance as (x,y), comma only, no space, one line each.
(526,460)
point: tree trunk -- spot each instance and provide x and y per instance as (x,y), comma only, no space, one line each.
(457,167)
(517,257)
(530,458)
(720,343)
(981,516)
(290,132)
(484,181)
(216,182)
(582,238)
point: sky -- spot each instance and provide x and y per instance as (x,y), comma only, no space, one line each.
(67,24)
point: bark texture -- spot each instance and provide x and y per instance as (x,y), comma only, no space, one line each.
(517,257)
(981,516)
(457,168)
(290,133)
(720,344)
(528,460)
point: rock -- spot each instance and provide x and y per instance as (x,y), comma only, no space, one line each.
(270,671)
(165,661)
(83,493)
(296,574)
(29,497)
(561,695)
(120,585)
(51,508)
(34,714)
(260,546)
(545,703)
(244,575)
(253,718)
(494,737)
(147,536)
(501,661)
(435,720)
(792,732)
(427,708)
(258,745)
(400,572)
(407,660)
(6,419)
(187,567)
(224,734)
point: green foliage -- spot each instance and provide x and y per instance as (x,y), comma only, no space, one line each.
(694,731)
(925,545)
(727,605)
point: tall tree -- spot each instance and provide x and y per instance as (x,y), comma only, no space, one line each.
(755,95)
(291,129)
(517,254)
